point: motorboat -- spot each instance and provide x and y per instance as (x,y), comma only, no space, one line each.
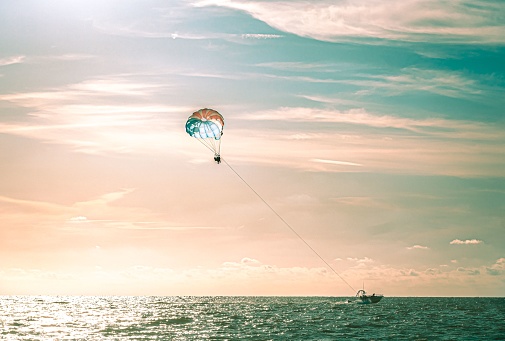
(368,299)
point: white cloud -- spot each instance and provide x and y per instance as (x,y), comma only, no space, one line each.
(78,219)
(361,260)
(466,242)
(420,247)
(260,36)
(250,277)
(462,21)
(335,162)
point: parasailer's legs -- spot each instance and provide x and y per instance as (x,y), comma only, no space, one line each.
(217,158)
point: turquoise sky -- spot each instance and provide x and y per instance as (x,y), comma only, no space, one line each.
(375,128)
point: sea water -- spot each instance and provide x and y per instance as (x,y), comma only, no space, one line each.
(249,318)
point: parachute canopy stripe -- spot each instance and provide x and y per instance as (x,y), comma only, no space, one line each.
(208,115)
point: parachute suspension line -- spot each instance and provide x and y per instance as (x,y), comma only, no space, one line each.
(212,142)
(289,226)
(207,140)
(205,145)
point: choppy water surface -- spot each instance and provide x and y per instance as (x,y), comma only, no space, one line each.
(249,318)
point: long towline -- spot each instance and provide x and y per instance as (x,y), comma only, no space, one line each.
(289,226)
(282,219)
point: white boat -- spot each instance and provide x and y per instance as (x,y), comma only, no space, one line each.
(368,299)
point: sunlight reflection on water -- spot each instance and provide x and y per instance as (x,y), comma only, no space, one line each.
(248,318)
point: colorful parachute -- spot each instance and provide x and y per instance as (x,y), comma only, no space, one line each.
(207,126)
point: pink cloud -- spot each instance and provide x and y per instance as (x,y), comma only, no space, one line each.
(465,242)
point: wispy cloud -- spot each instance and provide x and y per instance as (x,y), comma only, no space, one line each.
(453,84)
(335,162)
(106,213)
(117,85)
(335,100)
(466,242)
(303,79)
(124,114)
(12,60)
(378,142)
(67,57)
(158,225)
(145,31)
(43,58)
(360,202)
(440,82)
(149,22)
(260,36)
(464,21)
(300,66)
(97,115)
(174,22)
(360,116)
(30,205)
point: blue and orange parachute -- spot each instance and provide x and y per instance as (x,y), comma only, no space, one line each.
(207,126)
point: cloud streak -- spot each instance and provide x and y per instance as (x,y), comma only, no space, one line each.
(102,214)
(97,116)
(382,143)
(361,117)
(335,162)
(439,82)
(448,83)
(124,115)
(175,22)
(12,60)
(462,21)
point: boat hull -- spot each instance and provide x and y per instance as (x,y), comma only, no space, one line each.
(368,299)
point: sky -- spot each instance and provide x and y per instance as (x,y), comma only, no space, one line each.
(374,129)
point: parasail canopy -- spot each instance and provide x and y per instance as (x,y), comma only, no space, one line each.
(207,126)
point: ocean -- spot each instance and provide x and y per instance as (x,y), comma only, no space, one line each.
(249,318)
